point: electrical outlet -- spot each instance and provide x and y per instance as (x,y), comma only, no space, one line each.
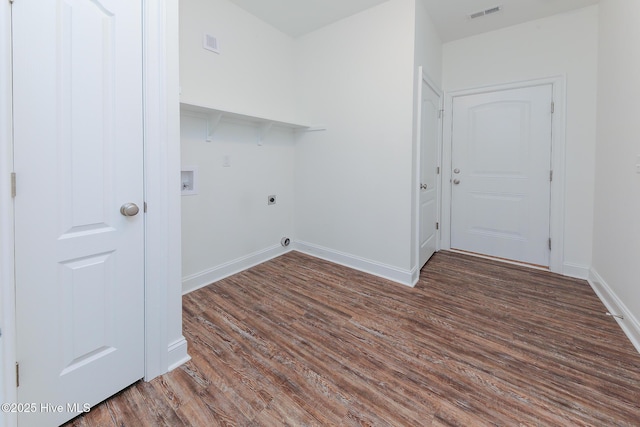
(271,200)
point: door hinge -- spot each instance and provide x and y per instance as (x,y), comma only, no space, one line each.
(144,207)
(440,113)
(551,175)
(17,374)
(549,243)
(438,170)
(13,184)
(10,1)
(437,226)
(553,107)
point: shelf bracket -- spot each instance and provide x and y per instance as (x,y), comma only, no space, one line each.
(263,130)
(212,124)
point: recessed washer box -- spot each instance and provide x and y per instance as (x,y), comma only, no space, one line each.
(188,181)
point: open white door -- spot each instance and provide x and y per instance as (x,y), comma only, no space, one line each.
(501,181)
(78,147)
(428,134)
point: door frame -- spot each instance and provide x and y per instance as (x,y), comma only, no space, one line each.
(558,143)
(423,77)
(165,347)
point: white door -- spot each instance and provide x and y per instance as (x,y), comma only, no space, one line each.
(78,157)
(429,132)
(501,189)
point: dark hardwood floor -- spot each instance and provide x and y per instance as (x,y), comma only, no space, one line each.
(299,341)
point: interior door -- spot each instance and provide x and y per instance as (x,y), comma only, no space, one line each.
(429,134)
(78,158)
(501,164)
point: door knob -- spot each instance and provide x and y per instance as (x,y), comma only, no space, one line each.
(129,209)
(456,181)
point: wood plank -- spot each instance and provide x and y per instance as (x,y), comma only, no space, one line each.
(300,341)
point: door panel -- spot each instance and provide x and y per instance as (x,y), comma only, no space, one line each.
(78,156)
(429,133)
(501,190)
(86,330)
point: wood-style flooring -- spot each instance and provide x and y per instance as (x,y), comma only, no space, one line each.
(299,341)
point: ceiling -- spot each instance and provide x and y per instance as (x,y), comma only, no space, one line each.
(451,17)
(298,17)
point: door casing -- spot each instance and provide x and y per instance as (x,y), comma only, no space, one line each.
(165,348)
(424,78)
(558,127)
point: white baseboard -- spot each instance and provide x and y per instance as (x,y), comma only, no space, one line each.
(204,278)
(415,276)
(404,277)
(178,354)
(614,304)
(575,270)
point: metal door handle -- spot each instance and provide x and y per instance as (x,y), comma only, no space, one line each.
(129,209)
(456,181)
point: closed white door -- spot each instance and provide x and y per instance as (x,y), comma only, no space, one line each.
(429,132)
(78,157)
(501,182)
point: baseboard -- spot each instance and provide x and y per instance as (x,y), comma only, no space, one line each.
(614,304)
(404,277)
(204,278)
(178,354)
(575,270)
(415,276)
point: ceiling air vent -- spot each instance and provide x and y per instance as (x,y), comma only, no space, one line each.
(485,12)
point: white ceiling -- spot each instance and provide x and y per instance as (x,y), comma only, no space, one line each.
(298,17)
(451,16)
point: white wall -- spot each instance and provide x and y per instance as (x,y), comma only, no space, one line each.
(228,226)
(253,72)
(616,249)
(229,219)
(564,44)
(353,182)
(428,46)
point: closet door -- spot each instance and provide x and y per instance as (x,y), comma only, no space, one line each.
(78,156)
